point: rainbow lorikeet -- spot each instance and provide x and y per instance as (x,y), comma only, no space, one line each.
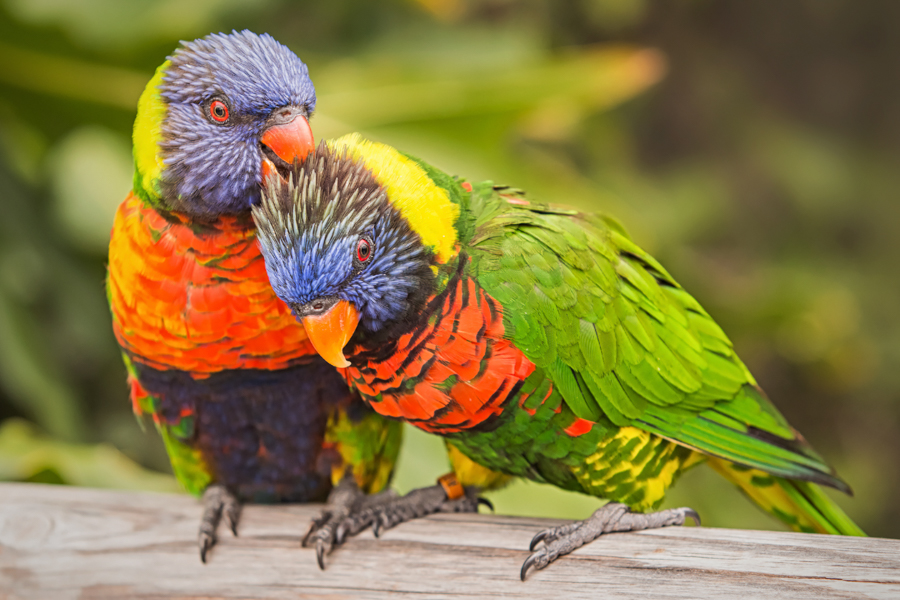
(247,410)
(540,342)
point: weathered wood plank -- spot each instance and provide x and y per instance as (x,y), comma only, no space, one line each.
(62,542)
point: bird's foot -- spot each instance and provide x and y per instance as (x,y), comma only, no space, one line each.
(216,501)
(447,496)
(348,512)
(613,517)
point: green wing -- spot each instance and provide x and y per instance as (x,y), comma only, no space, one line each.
(622,341)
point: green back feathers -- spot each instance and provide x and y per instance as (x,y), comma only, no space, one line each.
(621,340)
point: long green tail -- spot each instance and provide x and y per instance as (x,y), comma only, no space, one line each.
(802,505)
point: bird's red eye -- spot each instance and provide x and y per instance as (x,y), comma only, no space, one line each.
(218,111)
(363,250)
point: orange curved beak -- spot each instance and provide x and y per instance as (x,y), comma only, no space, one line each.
(330,332)
(290,141)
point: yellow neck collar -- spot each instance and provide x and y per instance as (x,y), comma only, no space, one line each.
(426,206)
(148,162)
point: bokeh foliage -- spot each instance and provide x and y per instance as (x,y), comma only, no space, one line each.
(752,147)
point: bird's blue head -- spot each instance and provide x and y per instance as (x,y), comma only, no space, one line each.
(221,112)
(340,254)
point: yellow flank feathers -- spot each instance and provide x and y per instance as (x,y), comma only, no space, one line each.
(634,467)
(148,132)
(469,472)
(426,206)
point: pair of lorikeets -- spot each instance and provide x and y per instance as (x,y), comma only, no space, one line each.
(282,308)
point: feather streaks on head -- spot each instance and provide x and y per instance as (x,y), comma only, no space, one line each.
(193,164)
(426,206)
(261,73)
(309,229)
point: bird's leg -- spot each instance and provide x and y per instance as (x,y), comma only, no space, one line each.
(348,512)
(216,501)
(446,496)
(613,517)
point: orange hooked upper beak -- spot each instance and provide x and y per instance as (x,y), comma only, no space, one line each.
(287,139)
(330,331)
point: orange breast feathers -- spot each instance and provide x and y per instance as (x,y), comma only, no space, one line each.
(451,374)
(196,298)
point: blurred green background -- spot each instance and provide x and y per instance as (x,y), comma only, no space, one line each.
(751,146)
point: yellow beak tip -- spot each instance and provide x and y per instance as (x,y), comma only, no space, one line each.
(330,332)
(339,361)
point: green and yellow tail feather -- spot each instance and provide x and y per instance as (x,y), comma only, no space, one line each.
(801,505)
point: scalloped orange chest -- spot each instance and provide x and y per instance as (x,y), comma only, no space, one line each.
(454,372)
(196,298)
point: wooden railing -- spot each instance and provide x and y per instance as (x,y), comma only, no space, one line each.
(61,542)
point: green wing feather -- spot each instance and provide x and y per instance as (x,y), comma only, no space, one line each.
(801,505)
(621,339)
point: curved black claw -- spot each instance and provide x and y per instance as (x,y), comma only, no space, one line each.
(321,550)
(377,527)
(314,527)
(348,512)
(340,534)
(485,502)
(690,512)
(232,512)
(540,535)
(527,565)
(206,542)
(217,500)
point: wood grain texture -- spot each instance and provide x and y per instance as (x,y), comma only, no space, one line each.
(62,542)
